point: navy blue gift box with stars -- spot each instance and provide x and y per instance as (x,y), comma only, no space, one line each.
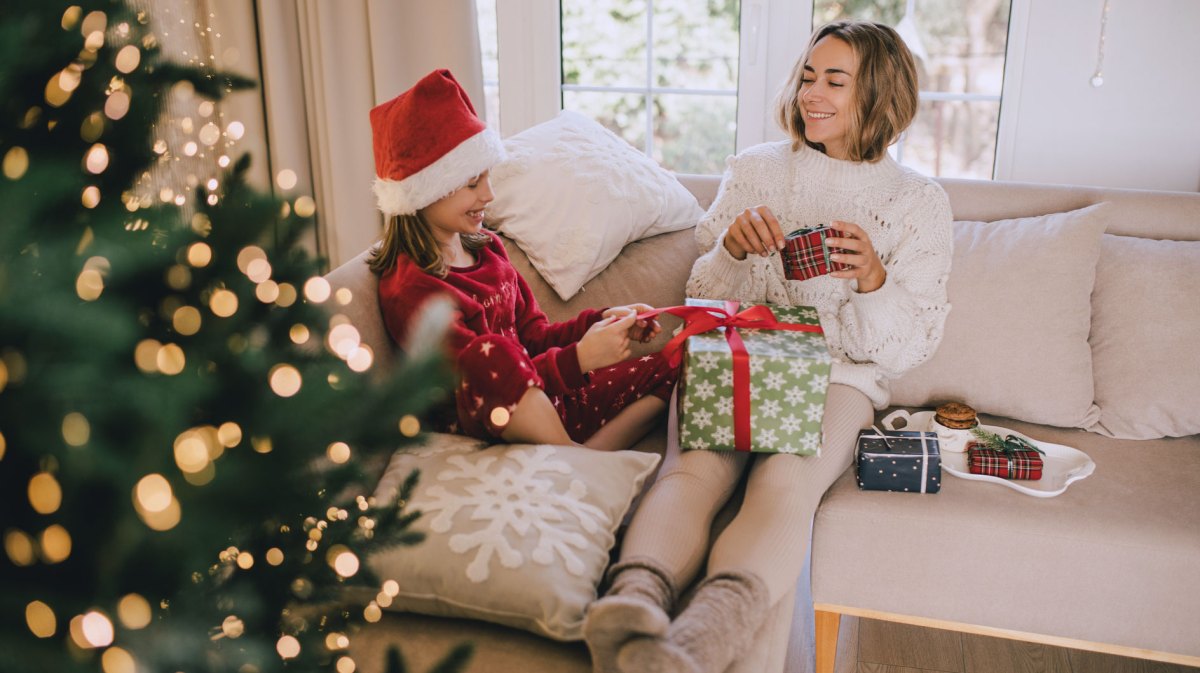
(899,460)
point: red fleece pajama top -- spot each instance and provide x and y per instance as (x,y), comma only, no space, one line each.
(502,344)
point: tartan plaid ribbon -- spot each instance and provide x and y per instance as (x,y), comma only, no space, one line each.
(806,254)
(700,319)
(1015,464)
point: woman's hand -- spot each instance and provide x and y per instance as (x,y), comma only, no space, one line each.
(756,231)
(859,254)
(642,330)
(606,341)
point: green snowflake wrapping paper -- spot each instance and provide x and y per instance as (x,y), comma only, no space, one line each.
(789,375)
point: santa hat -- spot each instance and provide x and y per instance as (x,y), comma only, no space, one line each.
(428,142)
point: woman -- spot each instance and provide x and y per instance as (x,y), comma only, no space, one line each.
(850,95)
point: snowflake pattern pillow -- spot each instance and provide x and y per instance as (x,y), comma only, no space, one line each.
(516,534)
(572,195)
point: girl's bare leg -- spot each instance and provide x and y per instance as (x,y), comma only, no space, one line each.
(629,425)
(536,421)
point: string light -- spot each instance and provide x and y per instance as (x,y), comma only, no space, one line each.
(1098,76)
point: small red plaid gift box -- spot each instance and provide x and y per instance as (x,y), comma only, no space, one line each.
(1014,464)
(806,254)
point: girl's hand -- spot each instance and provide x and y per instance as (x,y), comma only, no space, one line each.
(606,342)
(756,231)
(859,254)
(642,330)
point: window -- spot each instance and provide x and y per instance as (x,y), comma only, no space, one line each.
(660,73)
(960,49)
(690,82)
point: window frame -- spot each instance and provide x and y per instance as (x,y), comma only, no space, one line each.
(528,34)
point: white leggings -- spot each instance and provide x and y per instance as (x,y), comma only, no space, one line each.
(770,533)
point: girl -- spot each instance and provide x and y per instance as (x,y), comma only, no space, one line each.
(521,378)
(850,95)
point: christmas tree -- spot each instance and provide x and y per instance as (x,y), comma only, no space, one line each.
(183,413)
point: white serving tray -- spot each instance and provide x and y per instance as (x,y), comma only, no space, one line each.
(1061,465)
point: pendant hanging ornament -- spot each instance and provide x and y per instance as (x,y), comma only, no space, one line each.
(1098,76)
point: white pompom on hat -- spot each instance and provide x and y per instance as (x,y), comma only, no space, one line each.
(428,142)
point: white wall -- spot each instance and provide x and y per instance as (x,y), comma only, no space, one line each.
(1141,129)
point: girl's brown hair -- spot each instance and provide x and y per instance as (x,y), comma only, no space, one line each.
(885,89)
(411,236)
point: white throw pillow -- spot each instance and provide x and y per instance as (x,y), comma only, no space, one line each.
(572,194)
(1145,313)
(1016,339)
(516,534)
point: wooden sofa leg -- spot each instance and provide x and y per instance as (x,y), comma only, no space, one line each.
(827,624)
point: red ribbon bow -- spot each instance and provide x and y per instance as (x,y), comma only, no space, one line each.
(701,319)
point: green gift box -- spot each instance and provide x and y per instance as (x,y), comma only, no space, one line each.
(787,372)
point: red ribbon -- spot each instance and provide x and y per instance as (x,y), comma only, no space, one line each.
(701,319)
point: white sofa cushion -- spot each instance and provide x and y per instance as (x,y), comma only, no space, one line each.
(572,195)
(516,534)
(1145,354)
(1016,339)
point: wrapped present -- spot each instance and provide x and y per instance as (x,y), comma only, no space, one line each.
(1011,457)
(899,460)
(754,377)
(806,253)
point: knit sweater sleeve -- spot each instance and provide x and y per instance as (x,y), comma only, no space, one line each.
(750,180)
(900,324)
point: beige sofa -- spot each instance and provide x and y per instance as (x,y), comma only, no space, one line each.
(1109,565)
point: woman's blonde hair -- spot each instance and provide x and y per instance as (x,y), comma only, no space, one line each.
(411,235)
(884,95)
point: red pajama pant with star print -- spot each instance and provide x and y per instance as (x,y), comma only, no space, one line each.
(583,410)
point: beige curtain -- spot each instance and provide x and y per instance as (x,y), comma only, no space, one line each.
(197,138)
(324,66)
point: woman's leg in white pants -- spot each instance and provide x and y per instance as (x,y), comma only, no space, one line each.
(770,535)
(757,559)
(664,548)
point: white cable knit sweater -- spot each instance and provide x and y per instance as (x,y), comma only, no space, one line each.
(875,336)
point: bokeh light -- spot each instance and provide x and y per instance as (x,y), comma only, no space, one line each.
(317,290)
(338,452)
(40,619)
(223,303)
(288,647)
(285,380)
(44,493)
(134,611)
(56,544)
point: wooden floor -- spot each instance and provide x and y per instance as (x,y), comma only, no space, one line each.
(871,646)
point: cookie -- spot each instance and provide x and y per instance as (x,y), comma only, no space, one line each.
(956,415)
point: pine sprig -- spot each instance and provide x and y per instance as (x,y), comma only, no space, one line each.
(1006,445)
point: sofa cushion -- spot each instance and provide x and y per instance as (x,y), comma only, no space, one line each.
(1016,339)
(1145,313)
(636,275)
(572,194)
(516,534)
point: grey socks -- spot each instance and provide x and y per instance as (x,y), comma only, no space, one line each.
(718,625)
(635,606)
